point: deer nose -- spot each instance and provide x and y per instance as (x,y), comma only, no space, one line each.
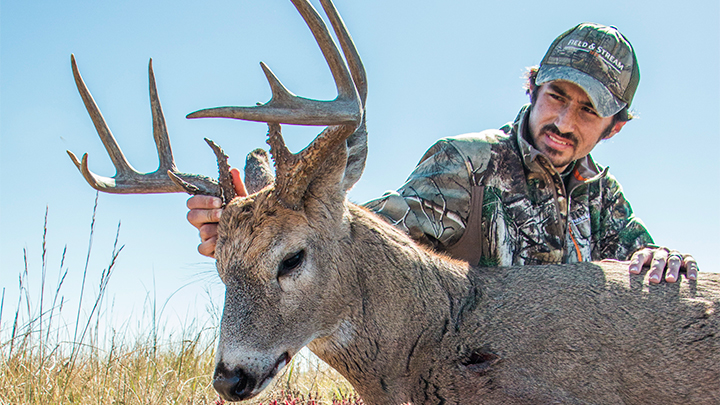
(232,385)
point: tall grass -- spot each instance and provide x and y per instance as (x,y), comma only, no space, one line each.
(46,359)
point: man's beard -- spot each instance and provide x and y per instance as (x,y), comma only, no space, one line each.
(552,153)
(568,137)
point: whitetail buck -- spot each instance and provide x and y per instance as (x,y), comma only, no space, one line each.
(303,266)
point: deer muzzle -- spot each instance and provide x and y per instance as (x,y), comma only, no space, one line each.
(237,384)
(232,385)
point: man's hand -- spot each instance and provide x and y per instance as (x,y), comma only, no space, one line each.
(663,260)
(205,212)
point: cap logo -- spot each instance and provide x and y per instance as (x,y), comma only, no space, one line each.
(598,50)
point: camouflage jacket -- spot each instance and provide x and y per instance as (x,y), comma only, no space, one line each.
(526,216)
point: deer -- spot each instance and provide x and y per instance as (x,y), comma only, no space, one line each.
(303,266)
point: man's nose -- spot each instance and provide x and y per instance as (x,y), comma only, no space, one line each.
(565,120)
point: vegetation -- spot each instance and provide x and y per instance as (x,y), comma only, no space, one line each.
(45,359)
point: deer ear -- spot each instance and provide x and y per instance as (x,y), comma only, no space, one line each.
(328,185)
(356,156)
(258,171)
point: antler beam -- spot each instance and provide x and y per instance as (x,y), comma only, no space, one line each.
(127,180)
(285,107)
(344,115)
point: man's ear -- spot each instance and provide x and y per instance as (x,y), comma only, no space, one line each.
(616,128)
(531,88)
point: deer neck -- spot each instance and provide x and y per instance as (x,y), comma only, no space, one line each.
(405,302)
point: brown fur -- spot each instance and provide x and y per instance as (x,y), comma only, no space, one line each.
(405,325)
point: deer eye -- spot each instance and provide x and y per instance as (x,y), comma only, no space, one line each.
(291,263)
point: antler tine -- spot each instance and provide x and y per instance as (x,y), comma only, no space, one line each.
(118,158)
(160,133)
(343,80)
(287,108)
(127,180)
(357,142)
(349,50)
(227,189)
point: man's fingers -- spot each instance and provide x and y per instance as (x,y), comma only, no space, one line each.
(639,259)
(691,267)
(208,231)
(205,212)
(203,202)
(200,217)
(207,248)
(674,262)
(238,183)
(657,266)
(663,260)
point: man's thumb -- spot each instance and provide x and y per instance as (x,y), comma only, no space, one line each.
(238,183)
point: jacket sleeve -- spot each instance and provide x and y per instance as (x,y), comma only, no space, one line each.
(619,232)
(433,205)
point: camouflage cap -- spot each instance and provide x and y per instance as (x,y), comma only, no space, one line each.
(599,59)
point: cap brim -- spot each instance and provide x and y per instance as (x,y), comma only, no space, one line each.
(605,103)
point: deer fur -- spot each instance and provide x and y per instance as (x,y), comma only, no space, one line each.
(405,325)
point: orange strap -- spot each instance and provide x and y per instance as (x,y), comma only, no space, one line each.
(577,175)
(577,247)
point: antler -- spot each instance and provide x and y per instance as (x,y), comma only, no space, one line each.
(345,114)
(127,180)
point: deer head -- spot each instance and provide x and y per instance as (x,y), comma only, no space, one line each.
(276,247)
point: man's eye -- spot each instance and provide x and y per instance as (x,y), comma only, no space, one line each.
(590,111)
(555,96)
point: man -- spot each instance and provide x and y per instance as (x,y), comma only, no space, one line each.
(530,192)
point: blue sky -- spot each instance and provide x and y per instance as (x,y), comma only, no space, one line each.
(435,69)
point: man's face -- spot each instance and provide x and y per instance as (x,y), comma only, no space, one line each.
(564,125)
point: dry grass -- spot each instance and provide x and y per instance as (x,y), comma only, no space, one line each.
(47,360)
(140,375)
(120,376)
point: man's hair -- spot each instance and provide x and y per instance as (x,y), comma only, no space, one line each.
(531,89)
